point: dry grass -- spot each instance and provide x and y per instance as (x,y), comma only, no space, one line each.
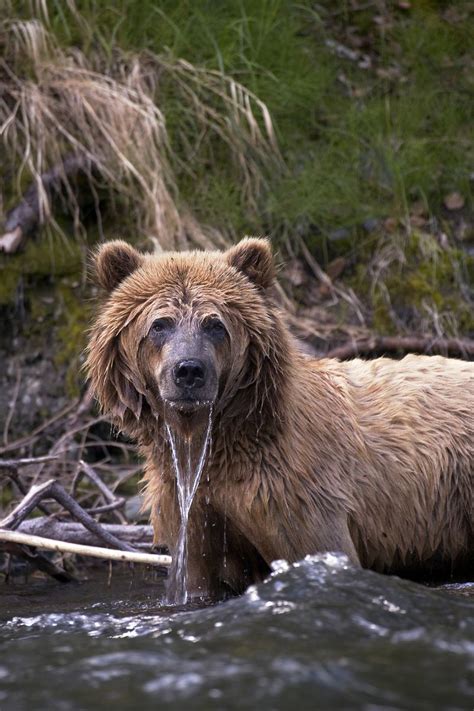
(58,101)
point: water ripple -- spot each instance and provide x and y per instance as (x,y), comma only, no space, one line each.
(319,629)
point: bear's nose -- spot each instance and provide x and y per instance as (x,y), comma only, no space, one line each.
(190,374)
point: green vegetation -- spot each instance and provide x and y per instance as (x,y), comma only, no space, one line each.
(40,264)
(359,142)
(372,108)
(412,284)
(50,277)
(371,104)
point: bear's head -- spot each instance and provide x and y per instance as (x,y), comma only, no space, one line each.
(180,333)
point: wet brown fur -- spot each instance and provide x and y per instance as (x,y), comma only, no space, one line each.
(375,459)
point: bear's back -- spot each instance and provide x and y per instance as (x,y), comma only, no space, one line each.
(416,417)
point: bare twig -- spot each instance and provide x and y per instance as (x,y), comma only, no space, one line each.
(11,466)
(51,489)
(24,462)
(11,409)
(74,424)
(31,438)
(107,508)
(112,502)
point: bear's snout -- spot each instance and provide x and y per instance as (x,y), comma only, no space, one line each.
(190,375)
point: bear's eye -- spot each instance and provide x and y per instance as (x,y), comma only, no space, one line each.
(214,327)
(160,325)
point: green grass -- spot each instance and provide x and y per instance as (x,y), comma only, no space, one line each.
(358,142)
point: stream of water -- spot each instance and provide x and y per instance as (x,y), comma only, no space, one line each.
(319,634)
(189,457)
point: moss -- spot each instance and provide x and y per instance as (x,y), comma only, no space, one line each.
(71,334)
(424,278)
(50,274)
(40,262)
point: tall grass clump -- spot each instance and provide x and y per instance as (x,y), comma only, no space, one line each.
(110,107)
(369,103)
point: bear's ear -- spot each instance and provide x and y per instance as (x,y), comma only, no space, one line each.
(253,257)
(113,262)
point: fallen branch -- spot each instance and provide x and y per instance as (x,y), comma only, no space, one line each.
(93,551)
(375,345)
(12,405)
(72,532)
(112,502)
(11,467)
(17,463)
(25,217)
(51,489)
(33,436)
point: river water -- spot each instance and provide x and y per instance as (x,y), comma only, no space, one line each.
(316,635)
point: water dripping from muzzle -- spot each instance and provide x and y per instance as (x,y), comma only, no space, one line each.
(188,462)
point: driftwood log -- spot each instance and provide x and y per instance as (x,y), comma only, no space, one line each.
(140,537)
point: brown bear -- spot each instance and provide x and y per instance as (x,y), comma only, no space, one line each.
(371,458)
